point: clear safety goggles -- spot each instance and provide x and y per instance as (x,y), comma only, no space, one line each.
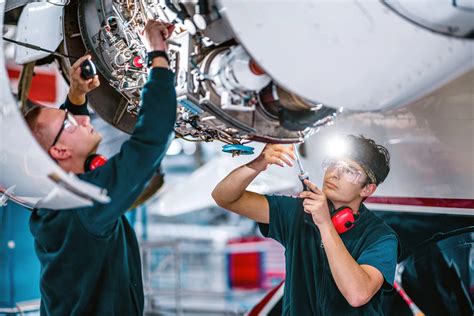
(346,171)
(69,125)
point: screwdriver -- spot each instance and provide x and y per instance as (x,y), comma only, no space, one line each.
(88,69)
(303,175)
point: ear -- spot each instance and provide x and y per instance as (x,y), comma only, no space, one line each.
(368,190)
(59,153)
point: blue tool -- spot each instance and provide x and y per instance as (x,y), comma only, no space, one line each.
(237,149)
(190,106)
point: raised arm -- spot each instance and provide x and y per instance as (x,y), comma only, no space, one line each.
(231,192)
(76,100)
(126,173)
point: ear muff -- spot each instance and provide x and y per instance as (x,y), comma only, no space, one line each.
(343,219)
(94,161)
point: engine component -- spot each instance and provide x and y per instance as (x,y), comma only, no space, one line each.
(222,92)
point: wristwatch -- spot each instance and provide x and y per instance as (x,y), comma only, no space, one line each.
(156,53)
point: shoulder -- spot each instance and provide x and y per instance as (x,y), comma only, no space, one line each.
(377,231)
(284,204)
(285,214)
(284,201)
(373,222)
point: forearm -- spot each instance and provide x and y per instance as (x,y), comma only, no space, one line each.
(158,107)
(233,186)
(350,278)
(76,98)
(76,109)
(160,62)
(231,192)
(126,173)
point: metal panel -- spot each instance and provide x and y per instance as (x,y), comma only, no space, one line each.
(355,54)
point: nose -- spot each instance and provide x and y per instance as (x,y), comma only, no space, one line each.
(334,173)
(83,120)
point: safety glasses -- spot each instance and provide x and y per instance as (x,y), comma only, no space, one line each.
(346,171)
(69,125)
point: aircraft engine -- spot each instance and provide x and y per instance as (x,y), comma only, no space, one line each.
(244,70)
(223,94)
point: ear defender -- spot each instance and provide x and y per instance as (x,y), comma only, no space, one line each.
(94,161)
(343,219)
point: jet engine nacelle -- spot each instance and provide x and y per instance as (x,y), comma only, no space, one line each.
(244,70)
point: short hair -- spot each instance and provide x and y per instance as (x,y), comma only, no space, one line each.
(37,128)
(373,158)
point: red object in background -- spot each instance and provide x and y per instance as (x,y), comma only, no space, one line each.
(245,267)
(269,302)
(43,86)
(245,271)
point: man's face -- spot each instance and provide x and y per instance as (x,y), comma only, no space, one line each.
(344,181)
(79,140)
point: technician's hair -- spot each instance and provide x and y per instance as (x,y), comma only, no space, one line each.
(37,128)
(374,158)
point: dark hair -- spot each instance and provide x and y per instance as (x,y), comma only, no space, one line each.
(38,128)
(31,115)
(373,158)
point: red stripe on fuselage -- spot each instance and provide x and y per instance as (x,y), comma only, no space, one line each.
(426,202)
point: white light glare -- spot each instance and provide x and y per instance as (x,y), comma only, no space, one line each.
(174,149)
(336,146)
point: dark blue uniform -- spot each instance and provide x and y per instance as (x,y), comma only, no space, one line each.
(309,287)
(90,259)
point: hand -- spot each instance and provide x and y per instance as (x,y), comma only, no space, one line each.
(316,204)
(155,34)
(273,154)
(78,86)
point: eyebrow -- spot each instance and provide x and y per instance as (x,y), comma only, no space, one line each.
(355,167)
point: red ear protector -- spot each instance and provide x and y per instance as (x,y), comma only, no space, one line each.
(343,218)
(94,161)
